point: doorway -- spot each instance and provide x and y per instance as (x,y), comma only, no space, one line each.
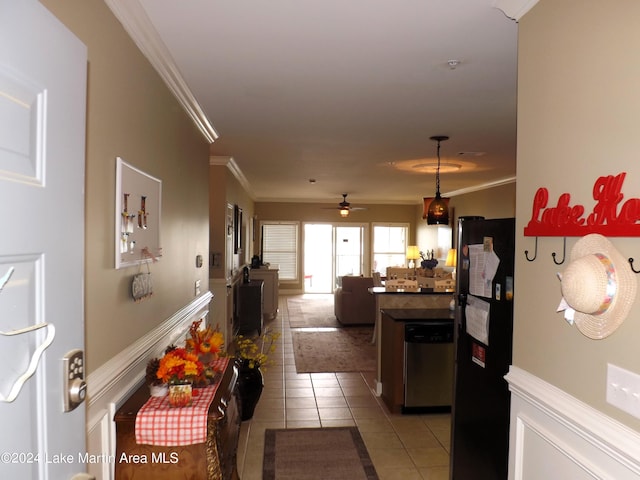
(331,251)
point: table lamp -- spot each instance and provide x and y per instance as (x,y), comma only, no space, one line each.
(451,261)
(413,253)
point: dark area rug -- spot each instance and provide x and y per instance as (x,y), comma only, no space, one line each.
(316,453)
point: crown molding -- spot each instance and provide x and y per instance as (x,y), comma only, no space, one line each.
(483,186)
(233,167)
(136,23)
(514,9)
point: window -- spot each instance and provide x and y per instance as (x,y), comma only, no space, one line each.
(389,246)
(280,247)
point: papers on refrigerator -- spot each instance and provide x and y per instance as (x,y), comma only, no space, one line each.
(477,314)
(483,266)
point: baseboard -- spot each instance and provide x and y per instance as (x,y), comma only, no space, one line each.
(554,435)
(111,383)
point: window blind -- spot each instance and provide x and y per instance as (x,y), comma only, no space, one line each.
(280,247)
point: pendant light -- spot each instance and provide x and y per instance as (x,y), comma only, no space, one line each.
(438,213)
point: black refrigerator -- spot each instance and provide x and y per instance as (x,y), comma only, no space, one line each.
(483,348)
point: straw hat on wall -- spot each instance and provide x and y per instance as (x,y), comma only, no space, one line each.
(598,286)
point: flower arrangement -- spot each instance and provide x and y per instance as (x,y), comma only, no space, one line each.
(207,344)
(194,363)
(205,341)
(254,352)
(178,366)
(429,262)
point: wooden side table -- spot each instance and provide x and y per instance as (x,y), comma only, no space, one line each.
(214,460)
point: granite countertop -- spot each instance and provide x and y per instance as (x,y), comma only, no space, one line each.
(418,314)
(419,291)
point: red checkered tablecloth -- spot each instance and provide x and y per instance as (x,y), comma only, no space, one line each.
(159,424)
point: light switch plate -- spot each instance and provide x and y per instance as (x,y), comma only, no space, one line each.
(623,389)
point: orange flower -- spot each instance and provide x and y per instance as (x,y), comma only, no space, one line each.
(179,365)
(204,341)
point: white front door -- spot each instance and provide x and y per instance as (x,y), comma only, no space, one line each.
(42,130)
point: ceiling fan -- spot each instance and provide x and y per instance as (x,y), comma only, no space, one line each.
(345,207)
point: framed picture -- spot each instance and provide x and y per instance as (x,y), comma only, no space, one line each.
(137,222)
(237,229)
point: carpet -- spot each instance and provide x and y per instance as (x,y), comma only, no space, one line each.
(321,344)
(346,349)
(312,310)
(316,453)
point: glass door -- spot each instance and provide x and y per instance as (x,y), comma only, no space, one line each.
(348,243)
(331,251)
(318,258)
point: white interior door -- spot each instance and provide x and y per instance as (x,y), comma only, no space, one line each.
(42,130)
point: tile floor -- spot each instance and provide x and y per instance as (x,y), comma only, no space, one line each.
(403,447)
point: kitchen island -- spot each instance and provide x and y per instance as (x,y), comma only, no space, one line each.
(419,299)
(417,359)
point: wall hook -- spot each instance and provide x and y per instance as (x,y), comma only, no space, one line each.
(631,265)
(535,253)
(564,253)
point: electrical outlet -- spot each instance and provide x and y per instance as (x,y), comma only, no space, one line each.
(197,287)
(623,389)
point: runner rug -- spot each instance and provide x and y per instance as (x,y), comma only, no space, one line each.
(316,453)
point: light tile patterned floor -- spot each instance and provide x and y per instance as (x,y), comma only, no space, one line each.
(403,447)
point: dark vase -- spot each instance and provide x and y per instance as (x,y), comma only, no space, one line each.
(250,385)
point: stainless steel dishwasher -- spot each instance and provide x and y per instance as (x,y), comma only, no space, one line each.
(428,366)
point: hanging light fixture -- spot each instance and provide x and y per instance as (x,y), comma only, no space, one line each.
(438,212)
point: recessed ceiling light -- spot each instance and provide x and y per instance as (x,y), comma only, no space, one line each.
(453,63)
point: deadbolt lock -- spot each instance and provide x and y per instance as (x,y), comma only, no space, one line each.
(75,388)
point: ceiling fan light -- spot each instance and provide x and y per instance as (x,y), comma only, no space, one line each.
(344,212)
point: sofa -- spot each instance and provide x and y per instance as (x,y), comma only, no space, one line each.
(353,304)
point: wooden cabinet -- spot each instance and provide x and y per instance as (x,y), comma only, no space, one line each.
(392,363)
(270,291)
(250,307)
(213,460)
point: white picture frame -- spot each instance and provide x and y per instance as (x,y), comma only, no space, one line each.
(137,216)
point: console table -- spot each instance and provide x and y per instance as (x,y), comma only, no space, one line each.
(271,289)
(213,460)
(250,307)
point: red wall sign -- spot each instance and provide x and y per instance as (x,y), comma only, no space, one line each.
(610,216)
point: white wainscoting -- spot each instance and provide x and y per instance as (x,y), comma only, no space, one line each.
(111,383)
(555,436)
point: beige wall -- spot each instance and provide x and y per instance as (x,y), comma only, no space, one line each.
(132,114)
(578,107)
(328,213)
(496,202)
(226,190)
